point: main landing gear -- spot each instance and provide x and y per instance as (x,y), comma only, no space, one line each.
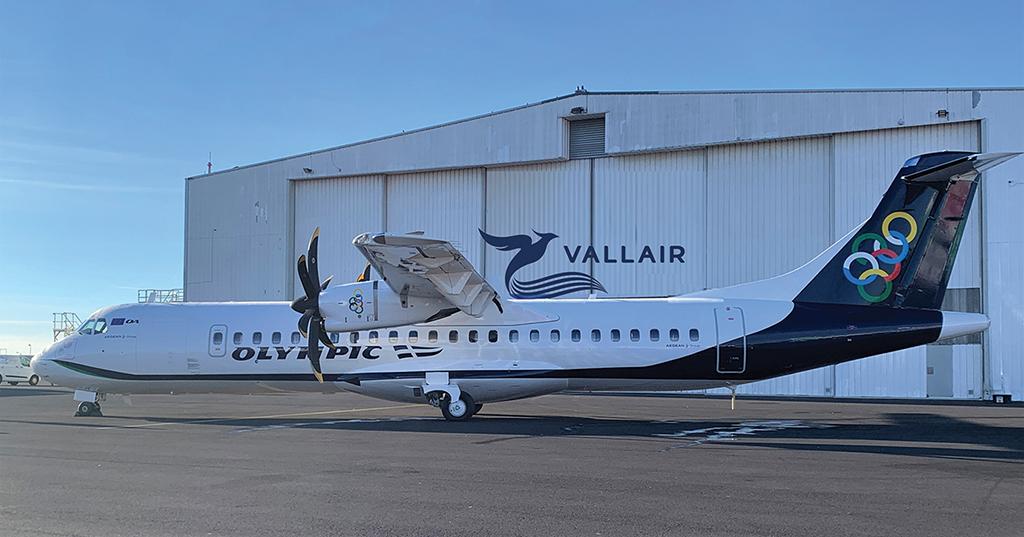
(460,409)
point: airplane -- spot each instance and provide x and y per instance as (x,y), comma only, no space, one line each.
(432,330)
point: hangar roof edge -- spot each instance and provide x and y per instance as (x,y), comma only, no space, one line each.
(610,93)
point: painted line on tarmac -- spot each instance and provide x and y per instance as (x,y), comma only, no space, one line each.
(267,417)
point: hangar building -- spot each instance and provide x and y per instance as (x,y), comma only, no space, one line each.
(674,191)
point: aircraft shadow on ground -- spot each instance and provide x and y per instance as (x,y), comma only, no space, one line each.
(908,434)
(905,434)
(29,391)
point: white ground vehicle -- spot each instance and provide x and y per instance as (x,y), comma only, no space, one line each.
(15,368)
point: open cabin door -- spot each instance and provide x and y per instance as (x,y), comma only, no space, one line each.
(732,340)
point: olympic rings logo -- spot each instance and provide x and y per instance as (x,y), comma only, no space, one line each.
(880,252)
(355,302)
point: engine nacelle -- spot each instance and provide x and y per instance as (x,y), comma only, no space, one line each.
(372,304)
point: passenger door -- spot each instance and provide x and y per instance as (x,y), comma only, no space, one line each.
(218,340)
(732,340)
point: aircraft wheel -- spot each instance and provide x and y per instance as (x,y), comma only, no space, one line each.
(86,408)
(33,380)
(477,407)
(460,409)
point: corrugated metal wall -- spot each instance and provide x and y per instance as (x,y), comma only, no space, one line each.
(236,247)
(342,208)
(657,199)
(446,204)
(546,198)
(769,206)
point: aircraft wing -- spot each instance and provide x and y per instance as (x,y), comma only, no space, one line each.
(414,265)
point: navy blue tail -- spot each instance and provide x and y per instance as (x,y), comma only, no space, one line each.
(903,255)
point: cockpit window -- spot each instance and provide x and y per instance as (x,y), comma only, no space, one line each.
(93,326)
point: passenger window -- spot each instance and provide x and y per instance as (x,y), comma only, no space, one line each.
(654,334)
(595,335)
(295,338)
(575,335)
(453,336)
(615,334)
(393,336)
(673,335)
(513,336)
(335,337)
(275,338)
(353,337)
(492,336)
(218,338)
(472,336)
(634,335)
(414,336)
(555,336)
(373,337)
(237,338)
(432,336)
(101,326)
(694,334)
(257,338)
(534,336)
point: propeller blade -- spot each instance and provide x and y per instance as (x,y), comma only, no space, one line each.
(312,292)
(313,351)
(304,324)
(324,338)
(323,286)
(311,264)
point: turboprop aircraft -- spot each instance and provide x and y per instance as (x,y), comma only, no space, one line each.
(434,331)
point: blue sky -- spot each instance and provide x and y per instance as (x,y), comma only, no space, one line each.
(105,107)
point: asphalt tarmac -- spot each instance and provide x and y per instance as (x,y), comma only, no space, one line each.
(556,465)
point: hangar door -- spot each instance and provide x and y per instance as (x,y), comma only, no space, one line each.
(343,208)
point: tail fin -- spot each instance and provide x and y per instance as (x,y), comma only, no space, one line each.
(903,255)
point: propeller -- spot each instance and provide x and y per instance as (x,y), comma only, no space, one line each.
(311,324)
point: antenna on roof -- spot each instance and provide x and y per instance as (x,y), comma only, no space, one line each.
(209,164)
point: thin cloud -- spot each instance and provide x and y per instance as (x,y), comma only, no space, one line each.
(86,187)
(20,322)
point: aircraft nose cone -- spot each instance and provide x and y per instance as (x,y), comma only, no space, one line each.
(41,364)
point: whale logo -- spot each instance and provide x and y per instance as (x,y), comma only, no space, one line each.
(528,252)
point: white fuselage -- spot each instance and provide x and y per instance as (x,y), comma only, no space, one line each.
(255,348)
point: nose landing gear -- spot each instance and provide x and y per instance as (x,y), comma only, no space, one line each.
(88,403)
(85,408)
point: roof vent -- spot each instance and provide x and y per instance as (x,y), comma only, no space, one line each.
(586,138)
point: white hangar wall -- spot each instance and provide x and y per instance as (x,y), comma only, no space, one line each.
(751,185)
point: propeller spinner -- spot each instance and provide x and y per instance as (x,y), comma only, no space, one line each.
(311,324)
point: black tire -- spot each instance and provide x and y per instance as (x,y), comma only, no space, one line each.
(465,402)
(84,409)
(33,380)
(477,407)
